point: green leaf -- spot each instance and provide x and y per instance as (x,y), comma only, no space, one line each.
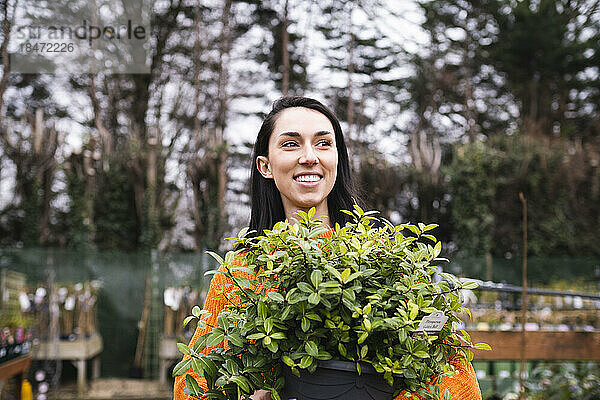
(232,367)
(278,335)
(363,337)
(313,316)
(465,335)
(209,366)
(363,351)
(421,354)
(229,257)
(198,366)
(342,350)
(367,324)
(414,311)
(262,310)
(187,320)
(288,361)
(305,287)
(367,309)
(437,249)
(182,367)
(256,336)
(273,347)
(311,212)
(193,386)
(306,361)
(216,257)
(276,297)
(215,337)
(413,229)
(429,227)
(314,298)
(290,294)
(196,311)
(469,354)
(268,325)
(183,348)
(430,237)
(334,272)
(243,232)
(482,346)
(345,274)
(222,322)
(324,355)
(305,325)
(235,339)
(200,344)
(242,382)
(317,232)
(286,313)
(316,277)
(470,285)
(353,276)
(311,348)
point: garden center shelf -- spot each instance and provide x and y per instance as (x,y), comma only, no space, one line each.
(78,351)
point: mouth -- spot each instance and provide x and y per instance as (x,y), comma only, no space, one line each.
(308,179)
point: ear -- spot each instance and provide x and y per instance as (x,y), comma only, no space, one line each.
(263,166)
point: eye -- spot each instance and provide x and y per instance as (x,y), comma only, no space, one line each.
(325,142)
(289,144)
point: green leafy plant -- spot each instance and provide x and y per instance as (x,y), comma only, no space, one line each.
(358,296)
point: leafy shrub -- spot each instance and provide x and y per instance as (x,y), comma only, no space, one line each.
(358,296)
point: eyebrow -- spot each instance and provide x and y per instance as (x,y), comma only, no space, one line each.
(296,134)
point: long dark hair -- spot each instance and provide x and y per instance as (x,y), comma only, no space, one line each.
(266,204)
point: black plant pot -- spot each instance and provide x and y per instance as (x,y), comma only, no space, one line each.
(336,380)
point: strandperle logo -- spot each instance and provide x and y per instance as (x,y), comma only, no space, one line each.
(79,36)
(85,31)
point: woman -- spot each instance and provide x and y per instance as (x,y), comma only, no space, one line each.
(302,162)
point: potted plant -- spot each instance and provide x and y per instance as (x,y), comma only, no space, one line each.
(303,306)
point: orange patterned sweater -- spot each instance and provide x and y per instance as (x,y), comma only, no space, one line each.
(462,385)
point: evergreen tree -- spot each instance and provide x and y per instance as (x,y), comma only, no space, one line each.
(548,52)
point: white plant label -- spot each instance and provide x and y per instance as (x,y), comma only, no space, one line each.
(433,322)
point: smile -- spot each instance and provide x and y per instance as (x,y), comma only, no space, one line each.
(308,180)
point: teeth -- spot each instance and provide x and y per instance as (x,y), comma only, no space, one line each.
(308,178)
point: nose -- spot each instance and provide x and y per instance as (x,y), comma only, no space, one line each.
(308,156)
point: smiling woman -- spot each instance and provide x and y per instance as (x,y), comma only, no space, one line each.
(300,161)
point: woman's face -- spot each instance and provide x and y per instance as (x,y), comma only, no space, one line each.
(302,159)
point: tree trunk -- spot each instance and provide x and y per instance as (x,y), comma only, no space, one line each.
(285,81)
(223,101)
(6,27)
(350,104)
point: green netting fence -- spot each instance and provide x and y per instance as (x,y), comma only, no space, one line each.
(120,304)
